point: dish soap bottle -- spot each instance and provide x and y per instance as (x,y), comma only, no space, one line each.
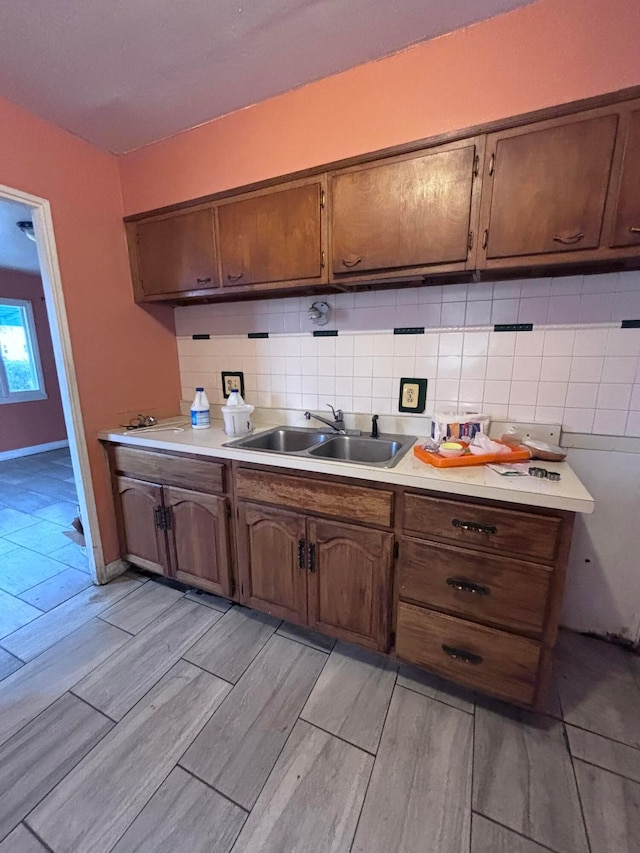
(200,411)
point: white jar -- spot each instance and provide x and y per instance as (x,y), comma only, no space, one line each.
(237,415)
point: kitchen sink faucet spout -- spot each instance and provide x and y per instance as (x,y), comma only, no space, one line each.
(337,424)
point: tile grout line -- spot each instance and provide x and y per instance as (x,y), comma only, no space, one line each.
(473,770)
(516,832)
(93,707)
(437,699)
(606,769)
(375,758)
(565,737)
(599,734)
(32,832)
(213,787)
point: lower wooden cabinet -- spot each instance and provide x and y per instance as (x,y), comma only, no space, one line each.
(271,548)
(333,577)
(175,532)
(143,541)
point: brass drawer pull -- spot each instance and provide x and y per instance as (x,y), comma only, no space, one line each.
(461,655)
(635,229)
(235,277)
(568,239)
(354,263)
(301,547)
(203,280)
(468,586)
(474,527)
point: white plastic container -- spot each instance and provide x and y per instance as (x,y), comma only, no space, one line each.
(237,415)
(200,411)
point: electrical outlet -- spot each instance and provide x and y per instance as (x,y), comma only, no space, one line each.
(550,433)
(232,380)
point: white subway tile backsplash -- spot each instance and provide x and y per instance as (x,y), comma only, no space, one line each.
(586,368)
(619,368)
(609,422)
(499,367)
(578,374)
(582,395)
(527,367)
(633,425)
(612,396)
(552,394)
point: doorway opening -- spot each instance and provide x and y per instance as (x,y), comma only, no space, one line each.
(50,545)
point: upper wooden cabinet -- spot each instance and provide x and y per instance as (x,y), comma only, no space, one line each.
(545,188)
(173,254)
(406,214)
(626,211)
(273,237)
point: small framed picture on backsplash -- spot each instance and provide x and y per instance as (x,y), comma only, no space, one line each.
(413,395)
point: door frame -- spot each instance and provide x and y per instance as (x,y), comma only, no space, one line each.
(65,368)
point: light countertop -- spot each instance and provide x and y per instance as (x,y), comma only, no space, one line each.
(478,482)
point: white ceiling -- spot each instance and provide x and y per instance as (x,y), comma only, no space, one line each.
(17,251)
(124,73)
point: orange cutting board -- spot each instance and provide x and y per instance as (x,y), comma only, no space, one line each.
(517,454)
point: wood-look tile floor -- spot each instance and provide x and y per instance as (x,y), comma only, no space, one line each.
(143,717)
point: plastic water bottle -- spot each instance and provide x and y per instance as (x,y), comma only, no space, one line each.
(235,398)
(200,411)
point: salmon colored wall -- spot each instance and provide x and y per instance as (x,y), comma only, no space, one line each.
(125,356)
(551,52)
(38,421)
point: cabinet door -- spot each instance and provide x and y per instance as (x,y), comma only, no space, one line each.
(547,187)
(411,212)
(198,539)
(176,253)
(272,237)
(272,553)
(350,582)
(141,540)
(626,228)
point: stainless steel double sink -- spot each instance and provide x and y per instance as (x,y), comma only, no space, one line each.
(385,451)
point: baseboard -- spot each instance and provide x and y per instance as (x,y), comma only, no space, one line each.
(113,570)
(31,451)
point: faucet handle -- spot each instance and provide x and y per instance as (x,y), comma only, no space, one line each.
(337,416)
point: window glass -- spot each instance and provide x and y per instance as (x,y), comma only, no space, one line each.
(22,374)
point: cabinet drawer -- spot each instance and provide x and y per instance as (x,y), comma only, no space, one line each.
(355,503)
(503,664)
(483,587)
(200,475)
(522,534)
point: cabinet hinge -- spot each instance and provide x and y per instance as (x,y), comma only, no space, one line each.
(396,550)
(166,520)
(470,241)
(158,517)
(322,198)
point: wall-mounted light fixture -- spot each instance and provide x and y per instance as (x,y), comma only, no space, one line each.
(26,226)
(319,313)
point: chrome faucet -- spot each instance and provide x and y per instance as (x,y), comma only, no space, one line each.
(338,420)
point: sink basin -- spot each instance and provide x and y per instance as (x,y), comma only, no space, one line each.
(382,452)
(282,440)
(348,448)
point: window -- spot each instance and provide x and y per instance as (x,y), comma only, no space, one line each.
(20,369)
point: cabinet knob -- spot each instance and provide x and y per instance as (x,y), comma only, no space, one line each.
(312,557)
(568,239)
(234,277)
(353,263)
(462,655)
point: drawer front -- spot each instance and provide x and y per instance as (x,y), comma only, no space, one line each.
(354,503)
(482,587)
(483,658)
(199,475)
(522,534)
